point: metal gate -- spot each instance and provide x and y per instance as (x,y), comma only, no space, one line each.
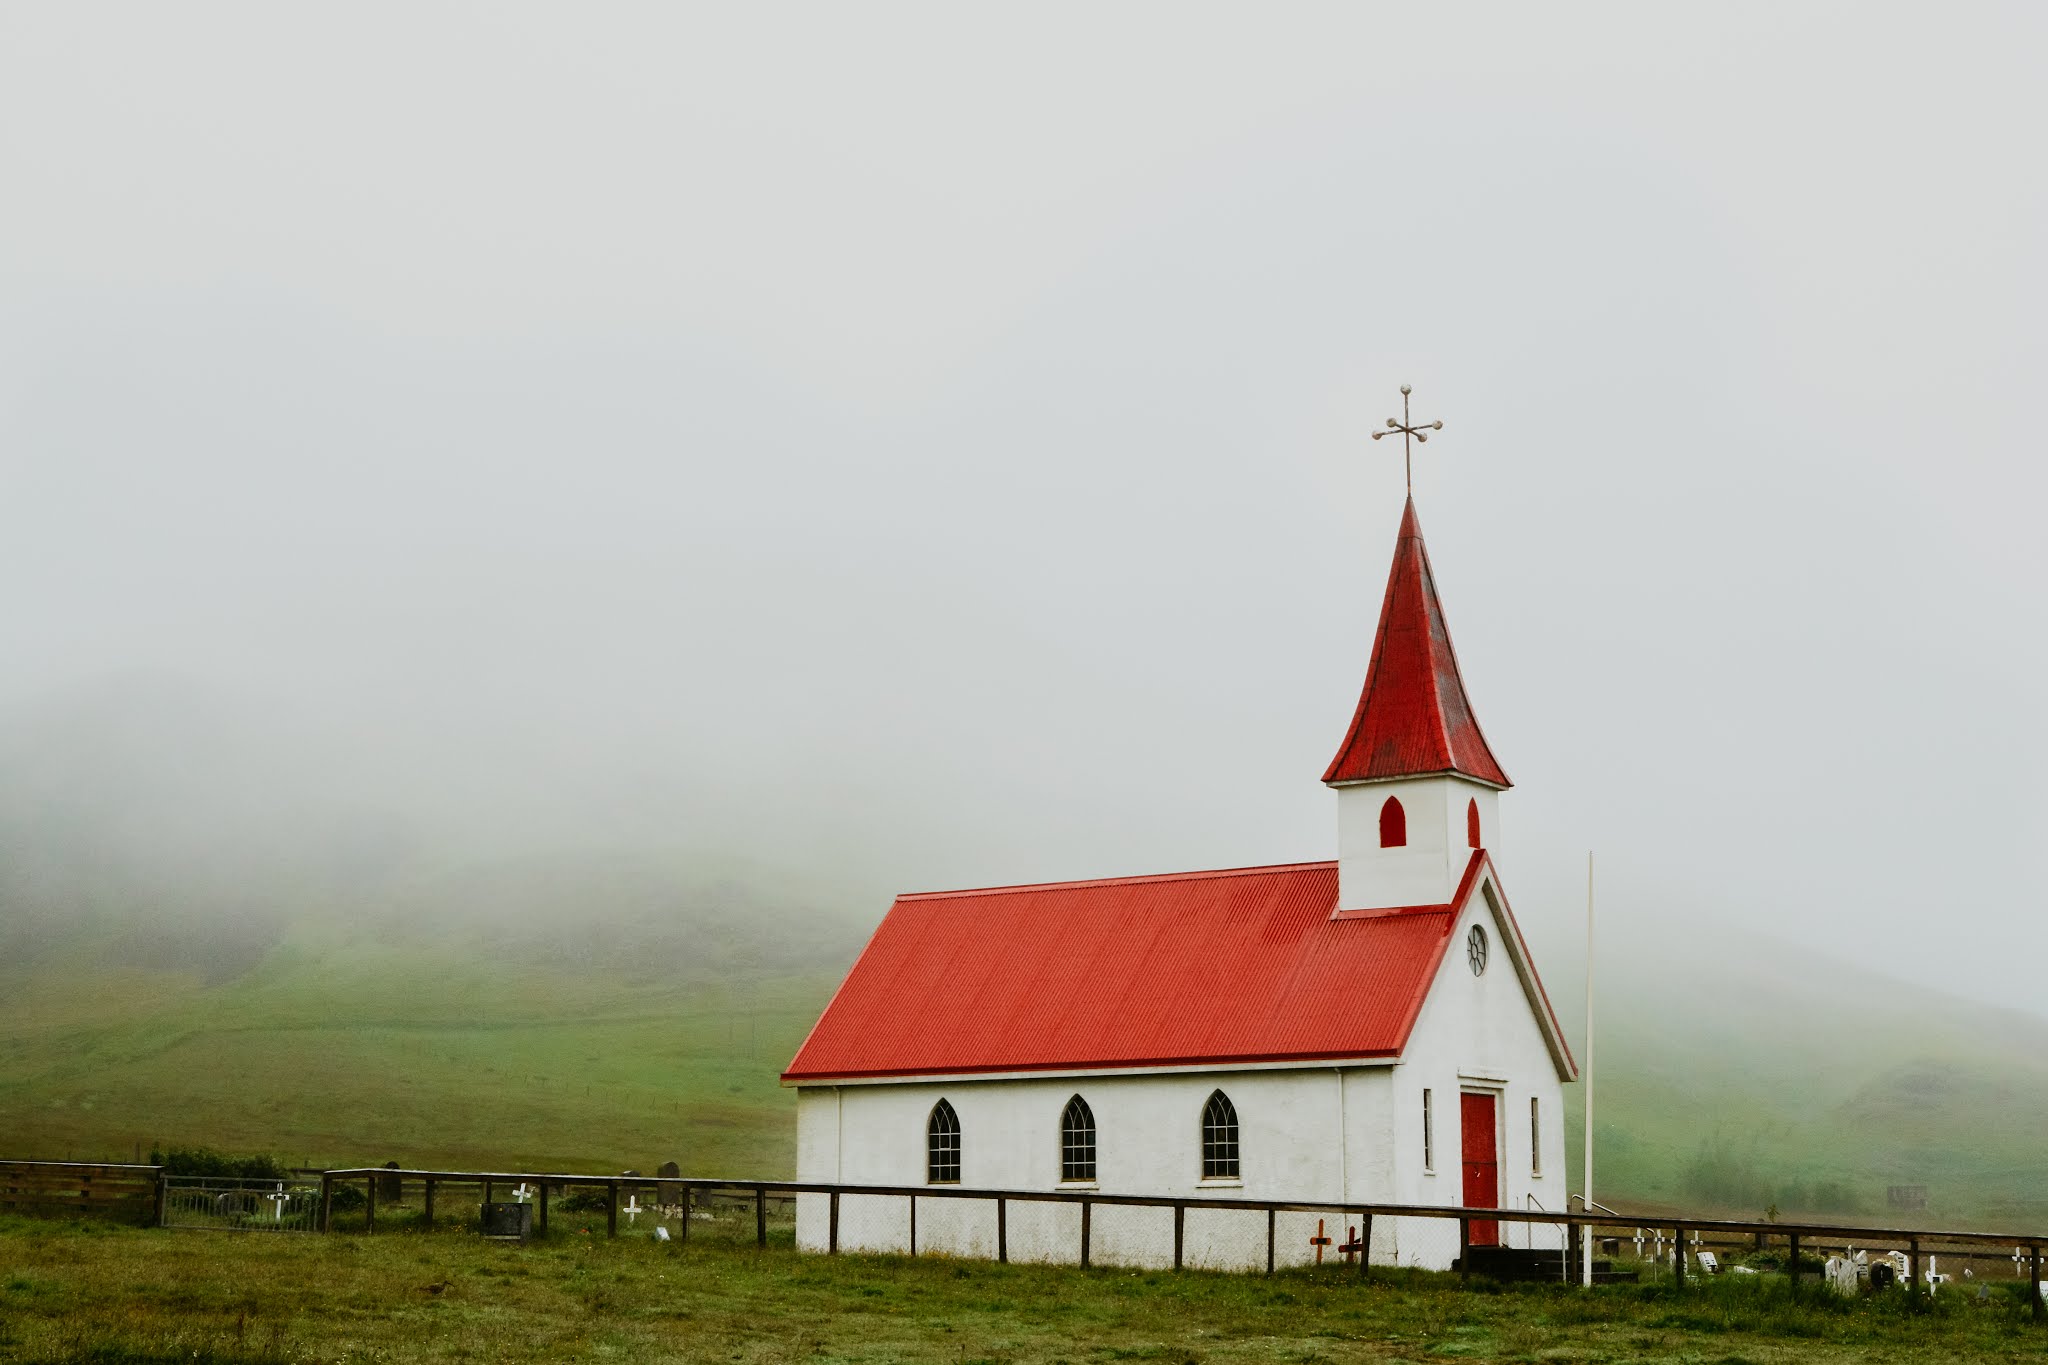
(232,1205)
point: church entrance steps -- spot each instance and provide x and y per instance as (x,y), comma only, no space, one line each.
(1517,1264)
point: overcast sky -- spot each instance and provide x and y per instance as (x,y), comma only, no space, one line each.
(932,442)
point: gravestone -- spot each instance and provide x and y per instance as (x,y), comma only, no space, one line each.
(507,1221)
(668,1194)
(1843,1275)
(390,1189)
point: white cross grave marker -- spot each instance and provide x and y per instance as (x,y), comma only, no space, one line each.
(632,1209)
(523,1194)
(277,1203)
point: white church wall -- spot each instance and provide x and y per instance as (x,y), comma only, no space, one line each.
(1427,869)
(1303,1134)
(1477,1033)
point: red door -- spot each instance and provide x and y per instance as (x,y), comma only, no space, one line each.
(1482,1163)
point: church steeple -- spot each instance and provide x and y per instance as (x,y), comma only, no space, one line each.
(1417,787)
(1413,718)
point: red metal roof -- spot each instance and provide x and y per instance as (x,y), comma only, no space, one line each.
(1238,966)
(1413,719)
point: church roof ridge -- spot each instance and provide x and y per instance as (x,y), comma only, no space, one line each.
(1142,879)
(1414,718)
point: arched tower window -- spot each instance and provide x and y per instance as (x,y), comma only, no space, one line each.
(942,1145)
(1077,1141)
(1393,824)
(1472,822)
(1219,1138)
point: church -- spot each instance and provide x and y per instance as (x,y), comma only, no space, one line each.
(1364,1030)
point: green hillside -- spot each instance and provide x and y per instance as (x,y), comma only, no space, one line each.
(620,1037)
(649,1025)
(209,936)
(1741,1075)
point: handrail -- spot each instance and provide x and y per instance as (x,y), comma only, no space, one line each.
(1589,1205)
(1530,1201)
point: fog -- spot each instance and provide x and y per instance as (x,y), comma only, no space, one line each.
(909,447)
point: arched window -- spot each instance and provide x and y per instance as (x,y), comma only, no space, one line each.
(1472,822)
(942,1146)
(1077,1141)
(1393,824)
(1219,1138)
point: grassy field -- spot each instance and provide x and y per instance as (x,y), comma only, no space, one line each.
(120,1296)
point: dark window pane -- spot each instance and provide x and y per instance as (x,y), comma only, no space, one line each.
(1219,1138)
(942,1146)
(1077,1141)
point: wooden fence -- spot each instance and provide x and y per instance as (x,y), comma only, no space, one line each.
(1580,1230)
(136,1193)
(126,1193)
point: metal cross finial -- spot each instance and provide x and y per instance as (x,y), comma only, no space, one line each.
(1411,431)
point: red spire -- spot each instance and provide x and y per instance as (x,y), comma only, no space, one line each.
(1413,719)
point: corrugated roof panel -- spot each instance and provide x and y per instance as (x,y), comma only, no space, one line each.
(1244,965)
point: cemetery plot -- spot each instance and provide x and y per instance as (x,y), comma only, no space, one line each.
(231,1205)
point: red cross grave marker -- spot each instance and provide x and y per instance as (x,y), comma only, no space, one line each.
(1319,1241)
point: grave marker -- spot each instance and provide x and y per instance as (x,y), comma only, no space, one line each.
(1319,1241)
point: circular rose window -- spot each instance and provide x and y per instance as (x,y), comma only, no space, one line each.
(1475,949)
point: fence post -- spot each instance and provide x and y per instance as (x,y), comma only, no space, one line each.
(1364,1240)
(1180,1219)
(1085,1209)
(611,1208)
(326,1200)
(761,1216)
(160,1197)
(2034,1283)
(913,1225)
(1913,1252)
(1269,1241)
(1793,1262)
(1464,1247)
(428,1211)
(683,1229)
(1002,1229)
(542,1212)
(832,1224)
(370,1206)
(490,1189)
(1572,1234)
(1678,1255)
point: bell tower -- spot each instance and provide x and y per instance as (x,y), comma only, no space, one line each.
(1417,787)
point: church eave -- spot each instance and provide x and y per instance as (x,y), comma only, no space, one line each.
(1060,1070)
(1459,773)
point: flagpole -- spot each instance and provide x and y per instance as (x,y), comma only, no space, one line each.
(1587,1074)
